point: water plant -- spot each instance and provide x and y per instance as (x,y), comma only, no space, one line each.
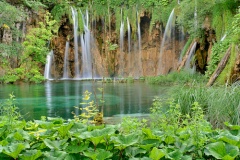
(178,136)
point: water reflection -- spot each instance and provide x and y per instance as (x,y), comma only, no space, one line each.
(59,98)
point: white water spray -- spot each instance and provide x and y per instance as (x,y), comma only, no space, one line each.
(75,28)
(47,71)
(66,64)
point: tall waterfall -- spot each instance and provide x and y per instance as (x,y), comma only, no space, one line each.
(87,70)
(167,39)
(192,51)
(121,43)
(47,71)
(66,64)
(139,58)
(75,28)
(129,45)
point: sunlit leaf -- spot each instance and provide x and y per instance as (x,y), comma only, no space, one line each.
(31,155)
(53,155)
(220,150)
(156,154)
(57,145)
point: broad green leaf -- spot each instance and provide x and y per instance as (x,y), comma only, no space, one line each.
(63,130)
(186,158)
(133,151)
(123,141)
(14,149)
(148,133)
(102,155)
(156,154)
(77,148)
(147,144)
(78,128)
(233,127)
(44,124)
(169,140)
(142,158)
(55,155)
(55,120)
(57,145)
(176,154)
(31,155)
(90,154)
(220,150)
(229,138)
(73,157)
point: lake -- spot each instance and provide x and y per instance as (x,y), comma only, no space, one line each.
(57,99)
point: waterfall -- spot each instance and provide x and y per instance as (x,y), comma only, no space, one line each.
(192,51)
(121,43)
(166,37)
(87,63)
(47,74)
(75,28)
(139,48)
(129,46)
(66,64)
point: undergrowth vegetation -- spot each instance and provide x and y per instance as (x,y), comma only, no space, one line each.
(168,135)
(182,77)
(220,104)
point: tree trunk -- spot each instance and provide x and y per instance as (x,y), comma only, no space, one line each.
(220,67)
(186,56)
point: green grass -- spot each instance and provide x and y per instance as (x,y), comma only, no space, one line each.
(182,77)
(220,104)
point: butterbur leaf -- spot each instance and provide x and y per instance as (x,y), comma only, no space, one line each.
(31,155)
(176,154)
(133,151)
(142,158)
(53,155)
(57,145)
(156,154)
(229,138)
(220,150)
(14,149)
(123,141)
(102,155)
(77,148)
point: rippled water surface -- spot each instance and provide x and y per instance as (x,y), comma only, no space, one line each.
(59,98)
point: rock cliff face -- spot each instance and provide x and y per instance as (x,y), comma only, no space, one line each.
(121,62)
(134,58)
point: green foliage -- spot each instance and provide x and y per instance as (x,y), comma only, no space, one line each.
(186,46)
(225,76)
(219,104)
(182,77)
(218,51)
(192,16)
(36,40)
(176,136)
(130,124)
(9,112)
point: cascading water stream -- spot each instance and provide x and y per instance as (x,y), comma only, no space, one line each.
(75,28)
(121,43)
(129,46)
(166,37)
(47,74)
(66,64)
(87,69)
(192,51)
(140,71)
